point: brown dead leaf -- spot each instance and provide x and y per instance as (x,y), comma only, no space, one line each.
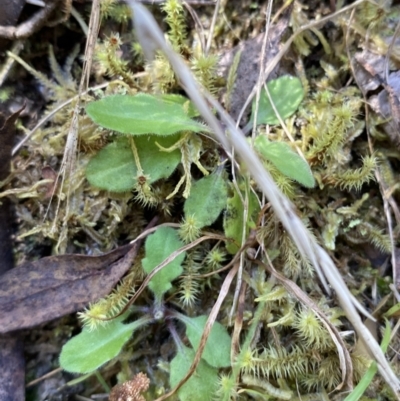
(387,104)
(248,69)
(369,70)
(39,291)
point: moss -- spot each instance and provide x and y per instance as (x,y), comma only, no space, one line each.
(284,347)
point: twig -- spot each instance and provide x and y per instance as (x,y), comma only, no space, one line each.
(17,47)
(212,27)
(44,377)
(31,26)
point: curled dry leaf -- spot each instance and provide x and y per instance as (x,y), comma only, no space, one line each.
(39,291)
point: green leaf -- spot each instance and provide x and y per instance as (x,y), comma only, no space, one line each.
(188,106)
(142,114)
(158,247)
(89,350)
(114,168)
(207,199)
(286,93)
(218,347)
(285,160)
(201,386)
(233,220)
(393,311)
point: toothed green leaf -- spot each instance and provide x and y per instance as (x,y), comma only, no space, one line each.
(286,93)
(89,350)
(114,168)
(218,347)
(207,199)
(142,114)
(285,160)
(158,247)
(201,386)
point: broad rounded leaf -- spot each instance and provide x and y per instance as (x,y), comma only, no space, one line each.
(285,160)
(218,347)
(114,168)
(142,114)
(286,93)
(89,350)
(201,386)
(207,199)
(158,247)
